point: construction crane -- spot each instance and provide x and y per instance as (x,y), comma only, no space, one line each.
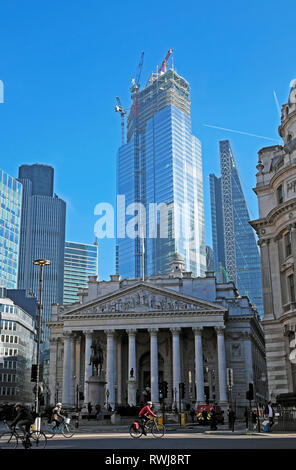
(163,67)
(122,111)
(136,81)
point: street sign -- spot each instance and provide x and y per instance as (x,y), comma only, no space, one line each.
(229,377)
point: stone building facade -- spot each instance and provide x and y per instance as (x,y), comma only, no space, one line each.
(174,328)
(276,230)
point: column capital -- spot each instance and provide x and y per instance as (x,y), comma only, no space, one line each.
(110,332)
(220,330)
(87,332)
(131,331)
(175,330)
(153,331)
(197,330)
(67,334)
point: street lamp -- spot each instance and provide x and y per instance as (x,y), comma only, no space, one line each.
(41,263)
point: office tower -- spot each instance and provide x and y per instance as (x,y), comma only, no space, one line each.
(236,255)
(42,237)
(10,222)
(160,164)
(17,350)
(81,261)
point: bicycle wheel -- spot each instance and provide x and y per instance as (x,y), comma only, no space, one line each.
(8,440)
(38,439)
(68,431)
(158,430)
(135,433)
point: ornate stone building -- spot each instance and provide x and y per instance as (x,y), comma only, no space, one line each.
(173,328)
(276,229)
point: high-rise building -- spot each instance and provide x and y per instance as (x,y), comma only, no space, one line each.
(160,167)
(81,261)
(10,226)
(236,255)
(42,237)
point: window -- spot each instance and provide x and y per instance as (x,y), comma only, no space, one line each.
(280,194)
(291,287)
(288,247)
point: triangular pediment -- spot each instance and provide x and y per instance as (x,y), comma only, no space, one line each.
(140,298)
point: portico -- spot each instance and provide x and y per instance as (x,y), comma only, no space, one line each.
(149,335)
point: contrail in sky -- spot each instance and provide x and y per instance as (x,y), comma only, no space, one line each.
(241,132)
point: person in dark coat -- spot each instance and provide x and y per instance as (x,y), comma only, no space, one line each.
(89,409)
(269,413)
(231,418)
(24,419)
(213,420)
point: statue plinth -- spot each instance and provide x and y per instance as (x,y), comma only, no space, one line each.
(132,391)
(96,390)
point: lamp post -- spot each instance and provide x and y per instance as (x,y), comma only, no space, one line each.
(41,263)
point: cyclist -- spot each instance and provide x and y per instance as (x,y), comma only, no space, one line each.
(24,419)
(144,415)
(57,415)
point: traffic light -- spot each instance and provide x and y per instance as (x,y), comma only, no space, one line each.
(165,389)
(250,392)
(182,390)
(160,391)
(34,373)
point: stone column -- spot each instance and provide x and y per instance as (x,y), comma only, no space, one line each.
(154,367)
(132,367)
(221,365)
(72,368)
(176,365)
(119,370)
(110,368)
(293,247)
(53,369)
(67,369)
(199,375)
(87,366)
(78,366)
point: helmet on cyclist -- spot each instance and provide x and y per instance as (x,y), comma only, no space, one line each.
(18,405)
(149,403)
(59,404)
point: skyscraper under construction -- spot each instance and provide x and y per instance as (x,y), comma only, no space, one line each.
(160,166)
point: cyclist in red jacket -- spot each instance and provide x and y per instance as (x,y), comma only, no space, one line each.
(144,415)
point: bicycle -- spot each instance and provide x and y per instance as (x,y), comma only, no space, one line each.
(64,428)
(153,426)
(11,438)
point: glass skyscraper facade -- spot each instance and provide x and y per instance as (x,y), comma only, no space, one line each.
(81,261)
(10,226)
(42,237)
(236,254)
(160,167)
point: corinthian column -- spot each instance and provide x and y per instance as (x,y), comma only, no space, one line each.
(67,369)
(110,367)
(53,369)
(154,367)
(221,364)
(132,377)
(199,375)
(176,365)
(87,366)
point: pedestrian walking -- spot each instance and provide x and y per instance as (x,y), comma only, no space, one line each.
(192,414)
(246,415)
(213,420)
(89,409)
(269,413)
(231,418)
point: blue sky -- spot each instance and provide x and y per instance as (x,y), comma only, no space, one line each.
(64,62)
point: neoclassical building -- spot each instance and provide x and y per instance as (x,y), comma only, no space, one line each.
(174,328)
(276,230)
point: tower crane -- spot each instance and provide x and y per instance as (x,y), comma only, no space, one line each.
(163,67)
(122,111)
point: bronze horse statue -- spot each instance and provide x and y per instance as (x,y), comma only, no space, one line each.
(96,358)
